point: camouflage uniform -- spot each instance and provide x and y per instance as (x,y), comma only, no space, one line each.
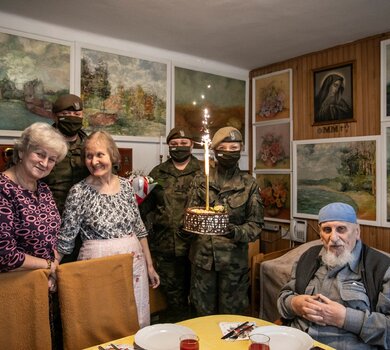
(63,176)
(220,278)
(68,172)
(163,212)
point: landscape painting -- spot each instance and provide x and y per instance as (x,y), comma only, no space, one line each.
(123,95)
(385,80)
(338,170)
(223,97)
(387,177)
(33,73)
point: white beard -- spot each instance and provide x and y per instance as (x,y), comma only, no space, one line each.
(331,260)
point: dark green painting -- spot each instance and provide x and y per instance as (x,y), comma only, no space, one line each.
(32,74)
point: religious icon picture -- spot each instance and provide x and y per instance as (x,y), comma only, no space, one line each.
(333,94)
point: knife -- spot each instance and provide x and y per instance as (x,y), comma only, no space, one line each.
(229,334)
(114,347)
(241,331)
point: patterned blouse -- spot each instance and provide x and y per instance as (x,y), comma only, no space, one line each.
(99,216)
(29,223)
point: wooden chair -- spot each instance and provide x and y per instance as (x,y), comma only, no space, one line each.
(97,300)
(157,300)
(24,315)
(255,277)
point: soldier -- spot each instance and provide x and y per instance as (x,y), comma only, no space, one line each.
(68,112)
(219,273)
(163,213)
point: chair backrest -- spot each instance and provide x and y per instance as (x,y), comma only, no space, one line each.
(274,274)
(24,311)
(97,301)
(157,300)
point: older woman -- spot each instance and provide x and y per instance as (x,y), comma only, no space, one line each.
(103,209)
(29,218)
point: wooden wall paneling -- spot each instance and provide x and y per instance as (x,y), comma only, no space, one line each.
(365,54)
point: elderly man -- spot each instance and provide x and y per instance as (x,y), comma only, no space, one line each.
(339,293)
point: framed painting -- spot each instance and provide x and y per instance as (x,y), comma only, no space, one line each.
(34,71)
(272,96)
(385,80)
(275,193)
(224,97)
(337,170)
(333,94)
(271,149)
(385,154)
(124,95)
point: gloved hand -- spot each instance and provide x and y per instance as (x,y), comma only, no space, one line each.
(231,231)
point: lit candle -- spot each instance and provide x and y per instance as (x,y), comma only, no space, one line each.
(206,160)
(206,144)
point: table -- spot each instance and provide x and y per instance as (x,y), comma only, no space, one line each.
(209,332)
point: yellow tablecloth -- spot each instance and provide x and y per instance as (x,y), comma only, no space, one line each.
(209,332)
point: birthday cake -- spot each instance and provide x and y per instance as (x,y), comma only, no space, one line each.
(214,221)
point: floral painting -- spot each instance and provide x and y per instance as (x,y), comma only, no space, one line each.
(275,193)
(339,170)
(272,96)
(123,95)
(272,147)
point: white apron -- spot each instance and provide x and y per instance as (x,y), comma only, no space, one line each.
(98,248)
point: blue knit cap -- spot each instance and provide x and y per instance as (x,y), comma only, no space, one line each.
(337,212)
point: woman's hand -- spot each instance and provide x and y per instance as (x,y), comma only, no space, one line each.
(154,278)
(52,282)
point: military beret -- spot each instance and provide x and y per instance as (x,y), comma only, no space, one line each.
(178,133)
(226,134)
(337,212)
(67,102)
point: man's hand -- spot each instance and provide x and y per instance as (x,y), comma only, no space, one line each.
(319,309)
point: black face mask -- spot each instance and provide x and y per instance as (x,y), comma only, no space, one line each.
(69,126)
(227,159)
(180,153)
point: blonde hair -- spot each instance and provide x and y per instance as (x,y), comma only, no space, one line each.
(41,135)
(111,145)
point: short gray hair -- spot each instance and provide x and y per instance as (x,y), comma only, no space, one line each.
(41,135)
(112,148)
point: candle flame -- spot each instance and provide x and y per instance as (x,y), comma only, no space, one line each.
(206,143)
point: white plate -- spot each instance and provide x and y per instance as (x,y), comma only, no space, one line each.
(164,336)
(282,337)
